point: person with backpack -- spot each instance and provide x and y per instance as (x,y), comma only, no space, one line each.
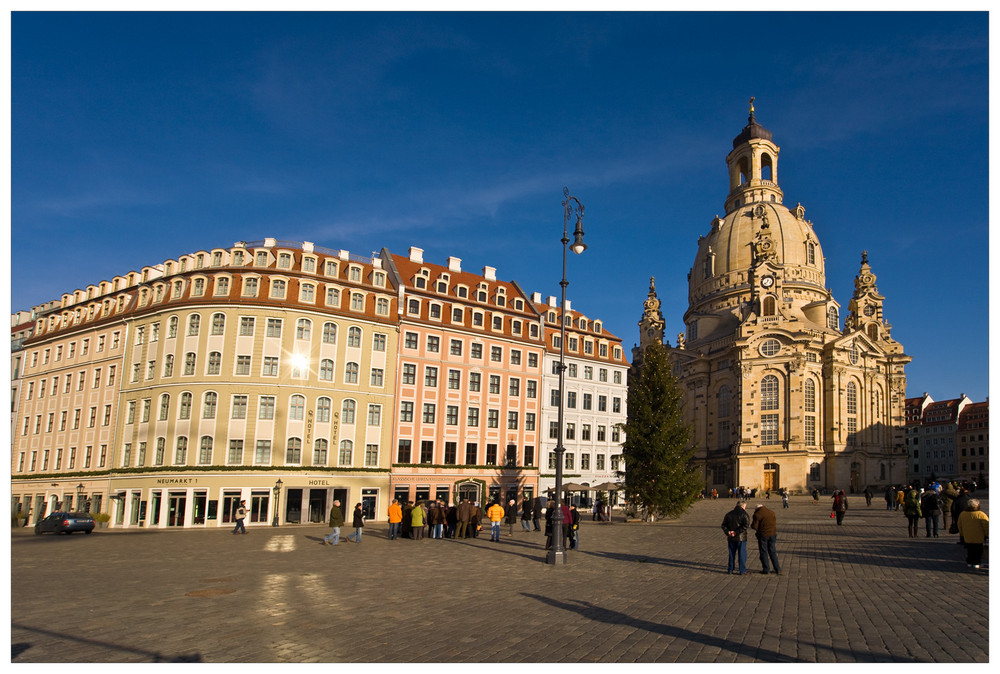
(839,505)
(930,506)
(911,508)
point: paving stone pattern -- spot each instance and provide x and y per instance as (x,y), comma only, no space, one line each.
(654,592)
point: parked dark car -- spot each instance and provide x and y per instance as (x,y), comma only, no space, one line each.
(60,522)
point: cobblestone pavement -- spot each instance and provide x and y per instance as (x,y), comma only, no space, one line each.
(658,592)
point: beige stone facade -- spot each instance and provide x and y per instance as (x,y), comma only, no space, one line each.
(779,395)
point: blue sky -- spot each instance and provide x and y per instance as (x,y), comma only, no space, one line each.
(139,137)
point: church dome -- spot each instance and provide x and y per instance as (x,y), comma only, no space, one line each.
(759,248)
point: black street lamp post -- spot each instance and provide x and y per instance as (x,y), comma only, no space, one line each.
(277,495)
(557,551)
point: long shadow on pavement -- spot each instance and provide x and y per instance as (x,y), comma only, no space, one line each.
(597,613)
(680,563)
(18,648)
(592,612)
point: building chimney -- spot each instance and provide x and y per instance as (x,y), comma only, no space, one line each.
(490,273)
(416,254)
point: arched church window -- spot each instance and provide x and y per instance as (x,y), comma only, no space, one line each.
(769,393)
(766,167)
(832,318)
(872,331)
(809,394)
(744,171)
(768,306)
(725,396)
(852,398)
(810,253)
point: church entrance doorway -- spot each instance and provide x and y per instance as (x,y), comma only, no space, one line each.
(770,477)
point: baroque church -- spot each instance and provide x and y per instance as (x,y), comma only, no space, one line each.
(778,394)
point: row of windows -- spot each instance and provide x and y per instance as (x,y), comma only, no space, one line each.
(47,353)
(572,344)
(299,368)
(570,461)
(88,457)
(585,435)
(266,406)
(77,416)
(429,416)
(435,310)
(234,456)
(573,371)
(411,340)
(409,376)
(421,280)
(405,454)
(587,401)
(263,258)
(81,382)
(277,290)
(581,322)
(303,330)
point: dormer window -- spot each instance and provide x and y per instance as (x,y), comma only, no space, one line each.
(309,264)
(216,259)
(285,261)
(435,311)
(330,268)
(413,307)
(551,317)
(199,287)
(178,289)
(378,279)
(598,327)
(354,273)
(481,295)
(261,260)
(238,258)
(462,292)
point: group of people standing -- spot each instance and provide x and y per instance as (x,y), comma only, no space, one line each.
(737,524)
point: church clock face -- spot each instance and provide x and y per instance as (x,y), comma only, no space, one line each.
(767,281)
(869,310)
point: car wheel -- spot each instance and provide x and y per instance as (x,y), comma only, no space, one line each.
(37,532)
(68,533)
(89,531)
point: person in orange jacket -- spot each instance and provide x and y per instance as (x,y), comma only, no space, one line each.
(495,512)
(395,519)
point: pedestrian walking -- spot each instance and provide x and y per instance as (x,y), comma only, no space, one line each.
(395,519)
(900,496)
(765,524)
(784,498)
(911,508)
(974,526)
(358,523)
(868,496)
(574,528)
(335,522)
(241,514)
(930,506)
(839,505)
(890,497)
(495,513)
(735,524)
(511,519)
(526,514)
(958,506)
(536,513)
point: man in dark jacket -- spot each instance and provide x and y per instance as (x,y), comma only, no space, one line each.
(766,525)
(463,514)
(930,506)
(735,524)
(336,521)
